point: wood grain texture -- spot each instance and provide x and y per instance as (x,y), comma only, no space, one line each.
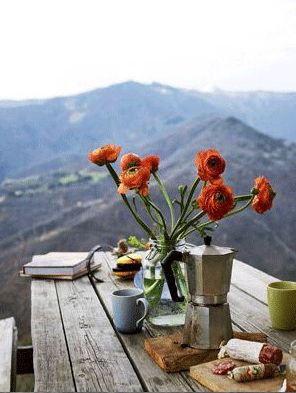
(251,280)
(52,366)
(98,360)
(172,357)
(153,377)
(102,360)
(8,336)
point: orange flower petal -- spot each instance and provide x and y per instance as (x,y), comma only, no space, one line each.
(129,160)
(113,154)
(105,154)
(216,200)
(152,162)
(210,164)
(263,200)
(144,190)
(134,177)
(122,189)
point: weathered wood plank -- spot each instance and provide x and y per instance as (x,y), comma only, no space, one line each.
(8,337)
(51,359)
(251,280)
(252,315)
(85,323)
(98,360)
(154,378)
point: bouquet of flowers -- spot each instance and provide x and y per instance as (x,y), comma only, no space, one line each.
(199,206)
(216,199)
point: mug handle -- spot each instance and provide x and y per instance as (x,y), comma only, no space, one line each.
(145,304)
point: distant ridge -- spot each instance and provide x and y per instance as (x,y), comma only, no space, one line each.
(42,130)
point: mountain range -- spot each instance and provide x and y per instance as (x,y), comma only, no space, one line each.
(52,198)
(45,133)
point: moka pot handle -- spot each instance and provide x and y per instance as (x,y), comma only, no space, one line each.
(166,264)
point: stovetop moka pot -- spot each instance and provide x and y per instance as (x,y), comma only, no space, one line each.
(208,270)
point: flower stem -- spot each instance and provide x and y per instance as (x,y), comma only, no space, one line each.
(180,220)
(241,198)
(160,221)
(147,208)
(123,196)
(166,197)
(251,197)
(189,224)
(158,211)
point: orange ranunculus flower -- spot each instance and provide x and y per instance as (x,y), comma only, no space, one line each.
(134,178)
(263,200)
(129,160)
(210,164)
(152,162)
(216,200)
(105,154)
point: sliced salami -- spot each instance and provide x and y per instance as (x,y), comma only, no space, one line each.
(223,367)
(270,354)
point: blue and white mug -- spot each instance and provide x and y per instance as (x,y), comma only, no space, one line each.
(130,308)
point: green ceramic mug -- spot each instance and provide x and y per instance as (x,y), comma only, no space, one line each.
(281,298)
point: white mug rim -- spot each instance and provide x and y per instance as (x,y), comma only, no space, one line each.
(137,292)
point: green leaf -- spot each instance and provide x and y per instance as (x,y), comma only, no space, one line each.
(133,241)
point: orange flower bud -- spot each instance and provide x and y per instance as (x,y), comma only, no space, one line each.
(105,154)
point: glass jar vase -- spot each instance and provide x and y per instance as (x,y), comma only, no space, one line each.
(163,311)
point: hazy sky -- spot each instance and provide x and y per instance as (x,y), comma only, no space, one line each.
(59,47)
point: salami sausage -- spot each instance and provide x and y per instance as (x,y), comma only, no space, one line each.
(222,368)
(253,372)
(270,354)
(252,352)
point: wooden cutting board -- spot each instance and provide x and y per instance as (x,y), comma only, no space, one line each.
(169,353)
(221,383)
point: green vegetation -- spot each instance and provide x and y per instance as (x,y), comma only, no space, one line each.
(133,241)
(93,176)
(72,178)
(29,186)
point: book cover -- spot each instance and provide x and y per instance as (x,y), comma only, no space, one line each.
(95,266)
(55,263)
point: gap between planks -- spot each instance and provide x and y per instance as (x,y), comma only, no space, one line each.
(99,362)
(52,369)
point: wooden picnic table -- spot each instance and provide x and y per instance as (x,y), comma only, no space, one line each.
(77,348)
